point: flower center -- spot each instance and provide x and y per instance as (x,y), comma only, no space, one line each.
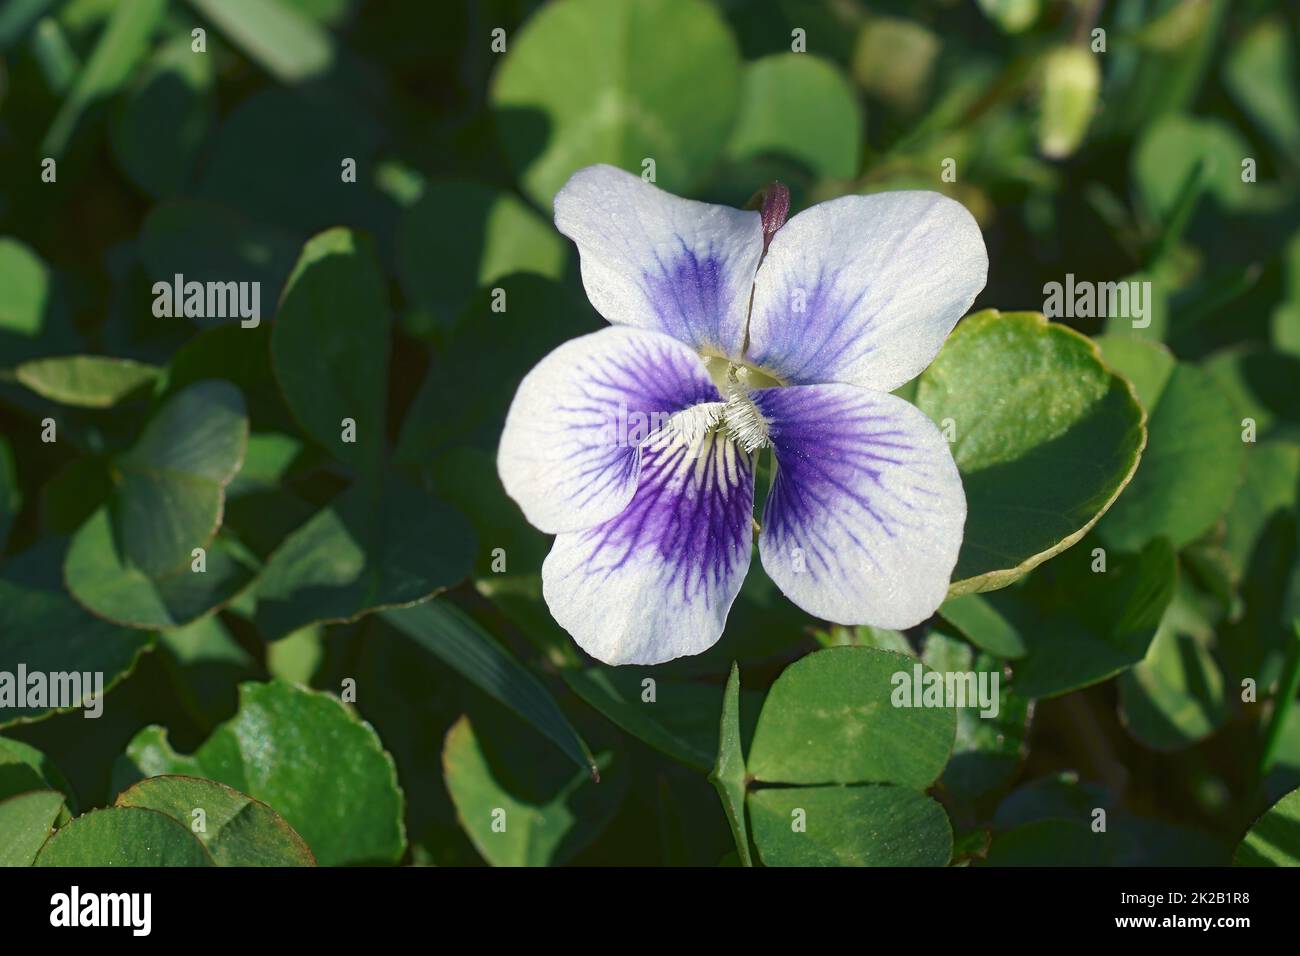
(745,424)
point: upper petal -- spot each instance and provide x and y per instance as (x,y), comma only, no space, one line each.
(864,520)
(656,582)
(656,261)
(864,289)
(569,451)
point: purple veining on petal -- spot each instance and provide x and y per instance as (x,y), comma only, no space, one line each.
(809,335)
(686,293)
(646,383)
(826,444)
(691,515)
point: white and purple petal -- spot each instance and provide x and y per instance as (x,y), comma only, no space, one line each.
(569,452)
(864,289)
(656,261)
(865,515)
(656,582)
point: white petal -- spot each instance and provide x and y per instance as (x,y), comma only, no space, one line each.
(568,453)
(653,260)
(864,289)
(864,520)
(657,581)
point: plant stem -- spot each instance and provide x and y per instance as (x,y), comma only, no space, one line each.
(1286,694)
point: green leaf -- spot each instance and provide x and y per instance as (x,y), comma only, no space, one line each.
(26,822)
(276,36)
(1174,697)
(308,756)
(1046,438)
(1071,80)
(681,720)
(1192,463)
(830,718)
(616,81)
(458,641)
(236,829)
(1168,152)
(124,42)
(23,768)
(34,317)
(978,619)
(171,484)
(849,826)
(159,127)
(990,744)
(1261,384)
(520,804)
(1274,839)
(477,235)
(365,551)
(124,837)
(801,107)
(49,634)
(1050,843)
(329,346)
(1091,625)
(86,381)
(728,775)
(103,581)
(1260,73)
(1270,489)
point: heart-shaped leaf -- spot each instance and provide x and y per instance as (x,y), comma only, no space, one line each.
(236,829)
(1045,439)
(308,756)
(34,319)
(616,81)
(831,717)
(849,826)
(124,837)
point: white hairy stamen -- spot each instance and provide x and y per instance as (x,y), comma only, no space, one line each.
(745,424)
(693,423)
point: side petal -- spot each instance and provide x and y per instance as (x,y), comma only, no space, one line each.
(569,451)
(653,260)
(864,289)
(864,519)
(657,581)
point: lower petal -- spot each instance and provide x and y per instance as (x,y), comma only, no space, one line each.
(656,582)
(864,520)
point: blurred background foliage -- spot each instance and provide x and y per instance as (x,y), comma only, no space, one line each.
(1123,161)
